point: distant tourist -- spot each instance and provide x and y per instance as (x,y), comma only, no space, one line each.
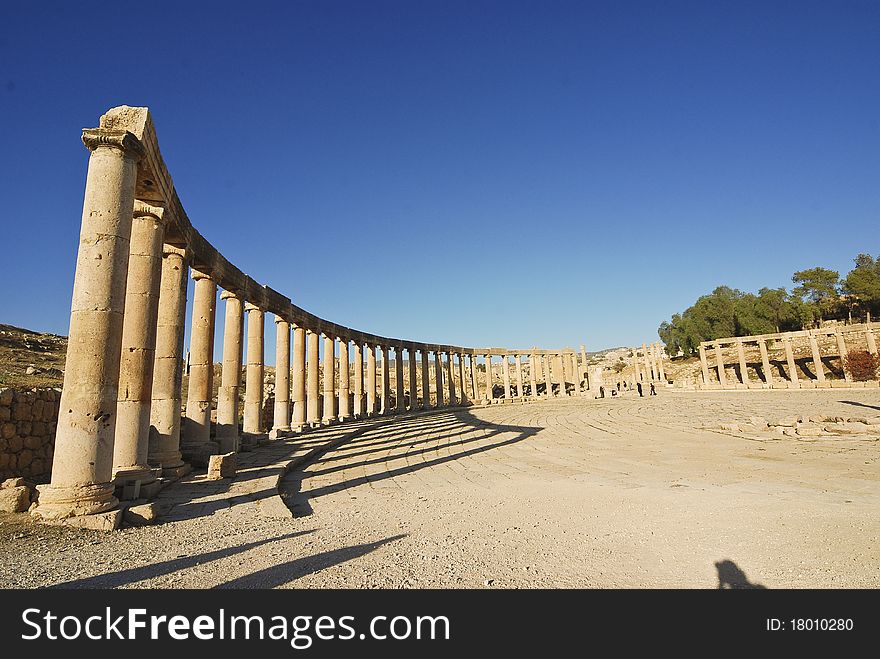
(639,388)
(653,390)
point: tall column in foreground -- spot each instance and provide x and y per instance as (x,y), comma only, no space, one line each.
(164,450)
(426,381)
(344,374)
(299,378)
(230,375)
(358,378)
(83,463)
(313,417)
(398,379)
(329,379)
(253,385)
(281,413)
(197,445)
(371,379)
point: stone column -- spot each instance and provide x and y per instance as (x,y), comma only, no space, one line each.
(505,374)
(792,366)
(230,375)
(490,382)
(413,380)
(197,443)
(281,416)
(765,361)
(83,462)
(386,381)
(841,347)
(533,374)
(520,388)
(371,379)
(329,379)
(450,369)
(398,379)
(344,385)
(426,381)
(584,366)
(817,358)
(438,376)
(253,384)
(138,346)
(869,337)
(743,367)
(461,379)
(660,351)
(560,373)
(313,417)
(649,363)
(359,379)
(299,378)
(548,381)
(704,364)
(164,449)
(719,360)
(475,387)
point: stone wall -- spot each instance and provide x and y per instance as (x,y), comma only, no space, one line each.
(27,432)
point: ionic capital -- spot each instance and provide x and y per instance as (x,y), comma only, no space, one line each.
(279,320)
(228,295)
(131,147)
(199,274)
(171,250)
(250,306)
(142,209)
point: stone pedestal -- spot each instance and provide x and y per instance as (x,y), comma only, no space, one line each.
(230,377)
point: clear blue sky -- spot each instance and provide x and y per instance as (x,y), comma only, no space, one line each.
(474,173)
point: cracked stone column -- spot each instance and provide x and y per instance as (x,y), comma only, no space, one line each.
(719,361)
(344,384)
(475,387)
(413,381)
(490,382)
(792,366)
(450,376)
(83,463)
(299,378)
(398,379)
(230,375)
(817,358)
(132,437)
(505,375)
(358,378)
(253,386)
(743,367)
(841,347)
(765,362)
(533,375)
(329,379)
(197,426)
(371,379)
(164,443)
(438,377)
(704,364)
(281,413)
(313,417)
(426,381)
(386,380)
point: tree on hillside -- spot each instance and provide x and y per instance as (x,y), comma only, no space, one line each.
(863,283)
(779,309)
(818,287)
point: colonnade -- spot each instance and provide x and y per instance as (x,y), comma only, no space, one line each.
(647,363)
(120,433)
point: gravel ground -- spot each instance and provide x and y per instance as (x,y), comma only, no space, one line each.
(613,493)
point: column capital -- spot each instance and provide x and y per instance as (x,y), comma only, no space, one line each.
(279,319)
(169,250)
(143,209)
(227,295)
(250,306)
(131,147)
(198,274)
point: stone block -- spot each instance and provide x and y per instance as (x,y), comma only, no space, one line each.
(143,514)
(25,458)
(38,428)
(37,409)
(15,444)
(6,397)
(222,466)
(5,414)
(24,428)
(21,412)
(13,482)
(33,443)
(108,521)
(7,430)
(15,499)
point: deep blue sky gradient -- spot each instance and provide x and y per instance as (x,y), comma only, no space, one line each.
(474,173)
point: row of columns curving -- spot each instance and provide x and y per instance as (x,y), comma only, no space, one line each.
(120,430)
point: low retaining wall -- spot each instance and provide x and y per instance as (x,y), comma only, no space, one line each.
(27,432)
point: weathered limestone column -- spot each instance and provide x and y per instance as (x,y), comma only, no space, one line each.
(475,387)
(313,418)
(132,435)
(560,373)
(329,379)
(765,361)
(230,375)
(660,351)
(649,363)
(792,366)
(704,365)
(719,360)
(253,384)
(438,377)
(197,443)
(281,413)
(743,367)
(636,368)
(83,463)
(817,358)
(841,347)
(462,383)
(505,373)
(426,381)
(450,376)
(584,366)
(547,379)
(164,449)
(359,378)
(533,374)
(299,378)
(398,379)
(371,379)
(386,381)
(490,382)
(413,383)
(869,337)
(344,385)
(520,390)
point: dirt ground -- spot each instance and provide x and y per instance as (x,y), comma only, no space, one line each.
(614,493)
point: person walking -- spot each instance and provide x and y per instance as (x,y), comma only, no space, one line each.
(653,390)
(639,388)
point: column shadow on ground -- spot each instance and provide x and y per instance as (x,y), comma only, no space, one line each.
(853,402)
(461,435)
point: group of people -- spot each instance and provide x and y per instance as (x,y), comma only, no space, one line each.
(617,391)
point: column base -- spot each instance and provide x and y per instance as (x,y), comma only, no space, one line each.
(279,433)
(64,502)
(143,473)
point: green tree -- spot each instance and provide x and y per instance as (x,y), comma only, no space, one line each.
(818,286)
(863,282)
